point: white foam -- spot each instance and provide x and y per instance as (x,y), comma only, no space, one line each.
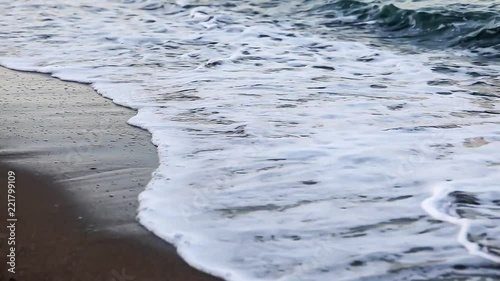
(285,153)
(438,207)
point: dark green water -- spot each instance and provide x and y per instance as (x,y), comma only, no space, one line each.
(473,25)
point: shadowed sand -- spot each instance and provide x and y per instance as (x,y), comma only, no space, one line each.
(79,169)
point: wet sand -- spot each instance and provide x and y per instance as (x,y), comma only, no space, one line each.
(79,169)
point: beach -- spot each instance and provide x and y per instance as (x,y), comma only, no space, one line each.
(79,168)
(346,140)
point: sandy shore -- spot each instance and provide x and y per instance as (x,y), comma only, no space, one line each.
(79,169)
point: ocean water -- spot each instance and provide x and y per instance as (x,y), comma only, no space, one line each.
(302,139)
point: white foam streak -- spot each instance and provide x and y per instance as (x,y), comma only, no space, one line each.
(438,207)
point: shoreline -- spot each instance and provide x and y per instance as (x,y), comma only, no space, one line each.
(79,169)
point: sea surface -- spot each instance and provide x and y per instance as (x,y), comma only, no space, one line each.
(299,140)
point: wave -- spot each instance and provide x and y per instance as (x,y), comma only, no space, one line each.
(284,155)
(458,25)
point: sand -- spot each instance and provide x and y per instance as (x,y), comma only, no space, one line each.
(79,169)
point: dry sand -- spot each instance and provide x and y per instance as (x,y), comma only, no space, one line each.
(79,169)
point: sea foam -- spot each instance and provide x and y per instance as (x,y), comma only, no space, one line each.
(286,152)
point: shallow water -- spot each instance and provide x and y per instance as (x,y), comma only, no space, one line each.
(294,144)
